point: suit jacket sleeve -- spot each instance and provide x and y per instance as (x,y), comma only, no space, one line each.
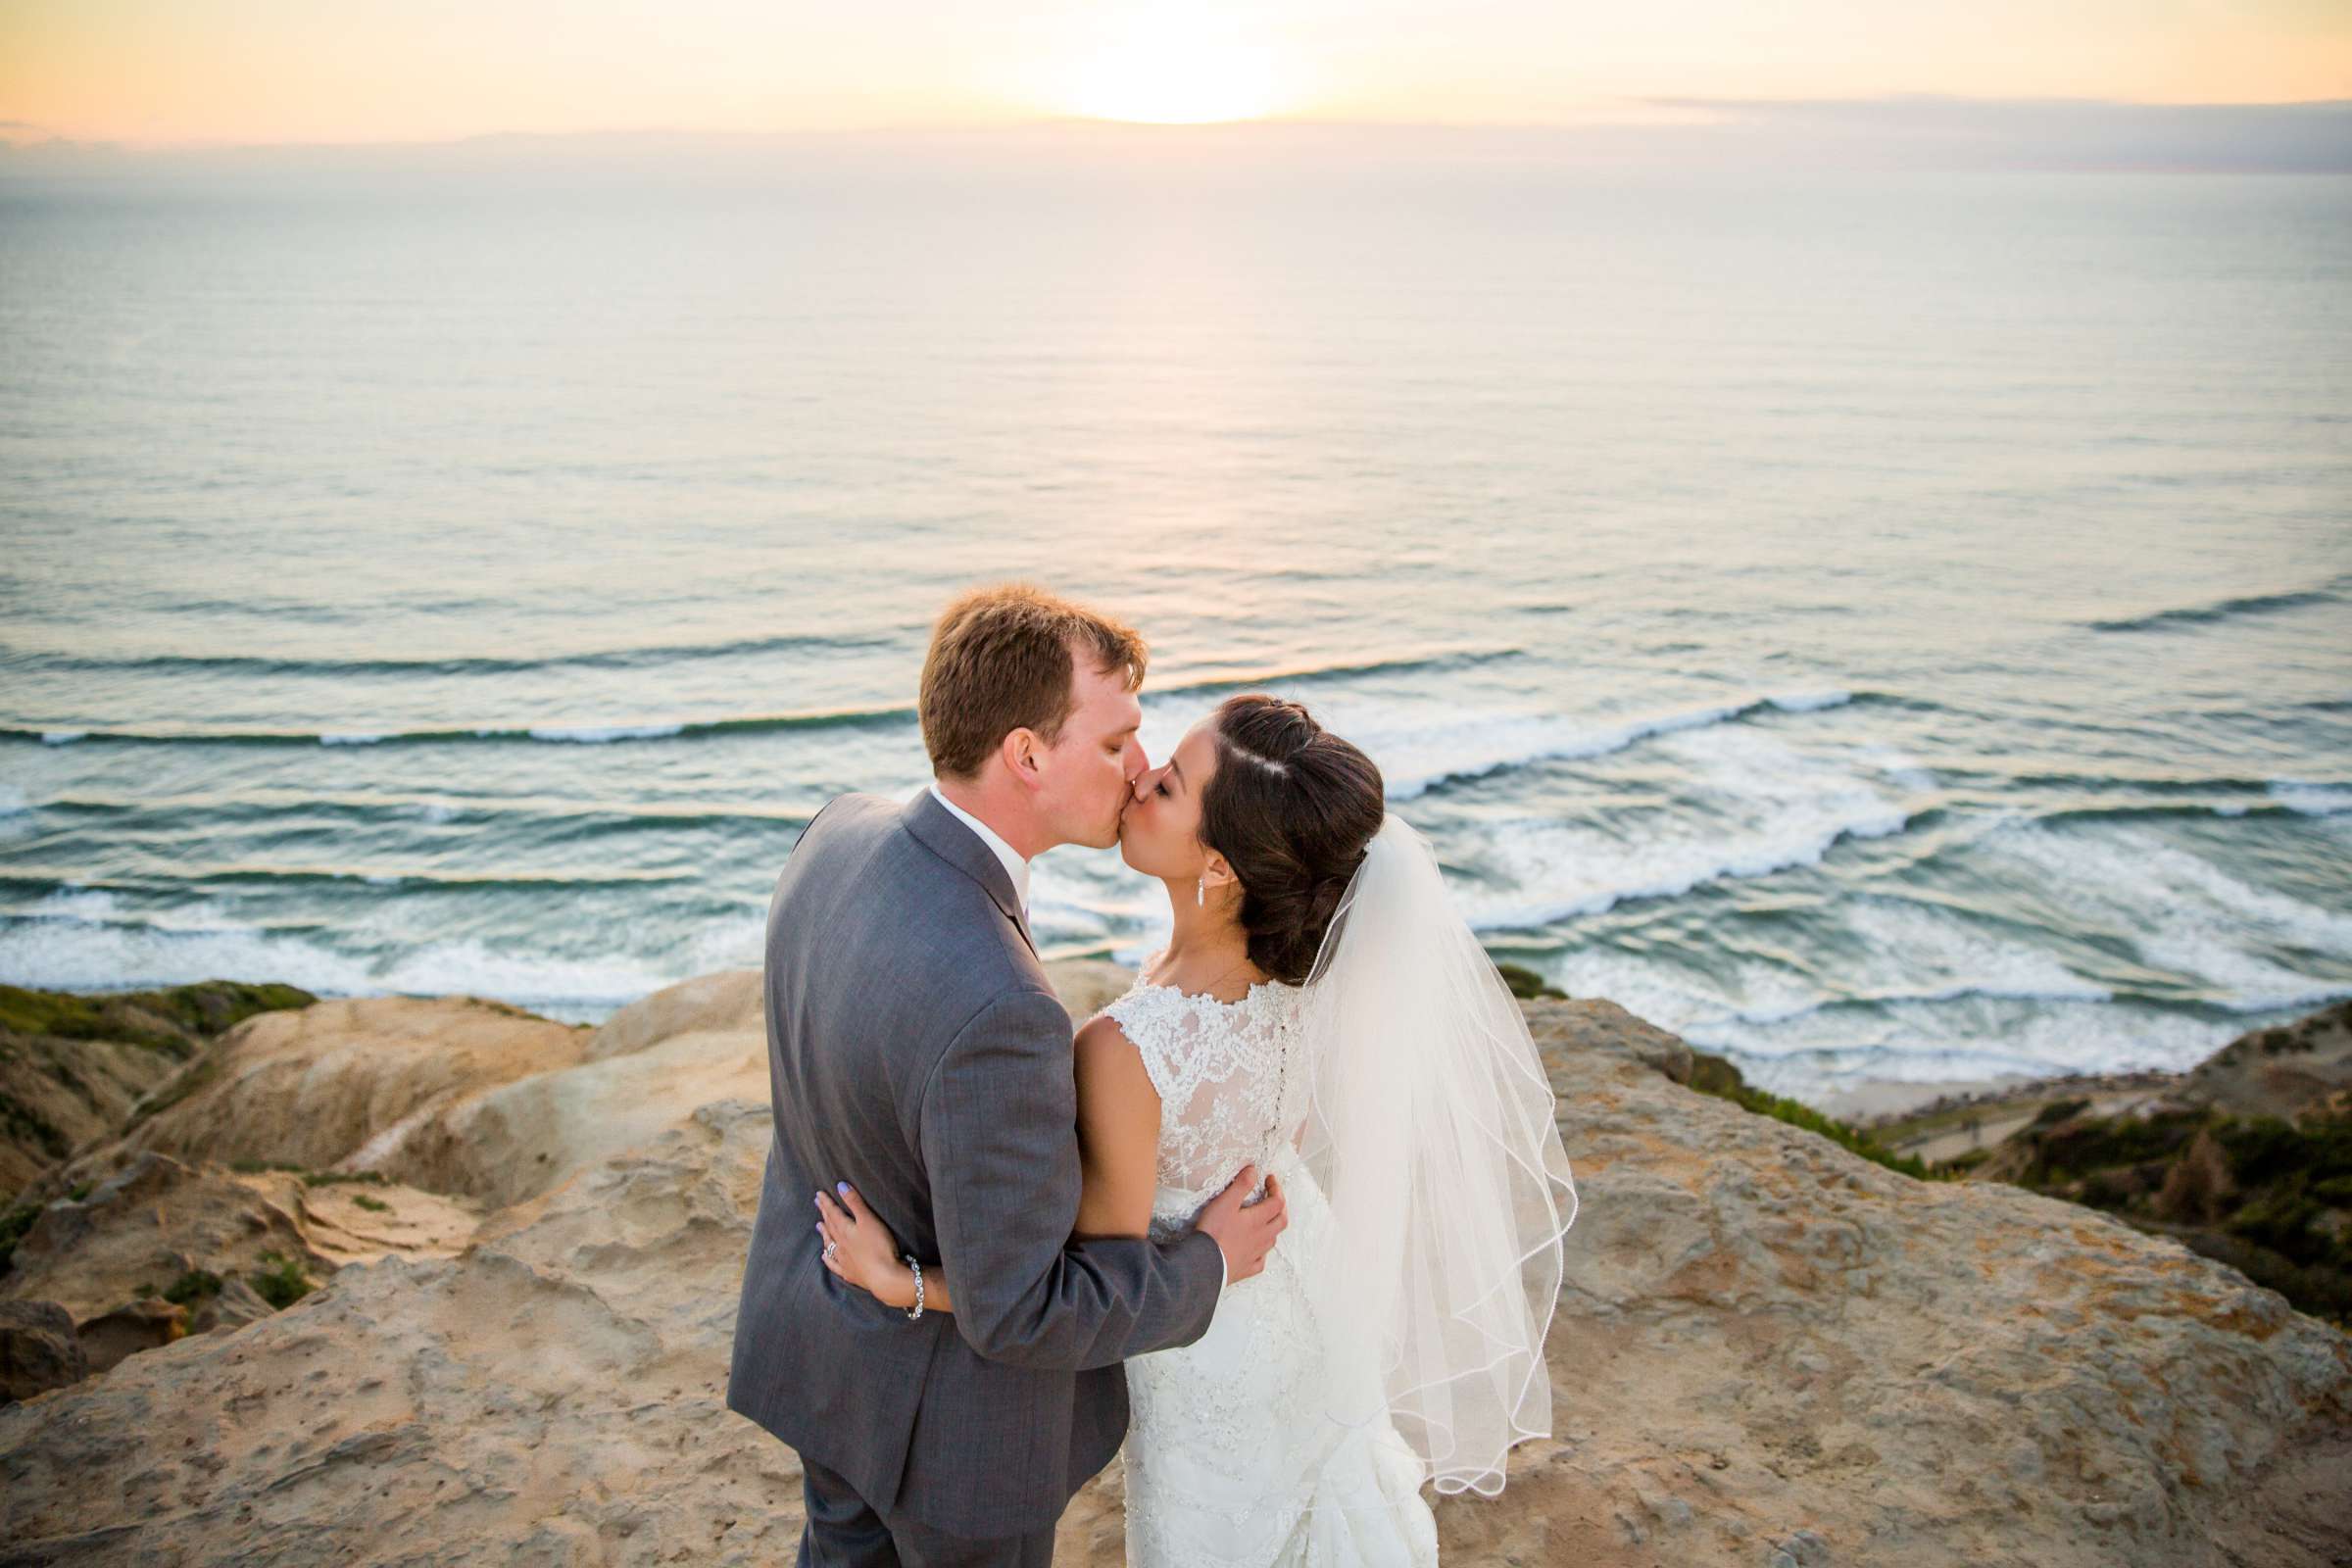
(998,1125)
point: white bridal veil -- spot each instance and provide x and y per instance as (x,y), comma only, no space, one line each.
(1431,1131)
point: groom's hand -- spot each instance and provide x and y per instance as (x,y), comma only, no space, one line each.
(1244,1235)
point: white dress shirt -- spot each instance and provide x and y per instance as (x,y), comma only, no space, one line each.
(1018,869)
(1014,866)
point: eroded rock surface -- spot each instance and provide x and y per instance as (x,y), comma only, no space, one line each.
(72,1067)
(338,1084)
(1768,1350)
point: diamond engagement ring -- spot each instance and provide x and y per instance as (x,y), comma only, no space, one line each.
(830,1249)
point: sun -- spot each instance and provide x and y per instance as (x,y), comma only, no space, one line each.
(1162,70)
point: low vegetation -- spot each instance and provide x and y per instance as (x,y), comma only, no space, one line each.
(172,1021)
(1712,1076)
(196,1285)
(281,1280)
(2270,1198)
(13,1226)
(1526,984)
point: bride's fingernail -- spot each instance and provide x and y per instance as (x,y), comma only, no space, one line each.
(843,1188)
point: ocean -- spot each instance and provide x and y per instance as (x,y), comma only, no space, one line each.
(1877,626)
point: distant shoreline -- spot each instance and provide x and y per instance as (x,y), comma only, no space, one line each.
(1875,1101)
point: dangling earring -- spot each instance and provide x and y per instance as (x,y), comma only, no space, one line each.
(1201,892)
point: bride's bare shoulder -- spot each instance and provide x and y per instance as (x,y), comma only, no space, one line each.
(1100,1035)
(1108,1061)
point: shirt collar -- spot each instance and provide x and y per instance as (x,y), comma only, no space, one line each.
(1014,866)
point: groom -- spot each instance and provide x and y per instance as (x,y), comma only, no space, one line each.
(917,1051)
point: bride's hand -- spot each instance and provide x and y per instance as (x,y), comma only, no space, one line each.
(861,1249)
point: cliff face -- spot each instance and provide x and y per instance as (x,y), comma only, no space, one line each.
(1769,1350)
(2246,1158)
(73,1068)
(1762,1333)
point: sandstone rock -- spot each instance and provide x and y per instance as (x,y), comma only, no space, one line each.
(557,1396)
(135,1326)
(340,1082)
(199,1233)
(725,1002)
(1602,1028)
(518,1140)
(38,1350)
(72,1066)
(358,1222)
(236,1304)
(1769,1350)
(1087,986)
(1779,1335)
(2286,1071)
(151,1223)
(653,1063)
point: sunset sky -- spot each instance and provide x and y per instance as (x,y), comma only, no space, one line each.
(165,71)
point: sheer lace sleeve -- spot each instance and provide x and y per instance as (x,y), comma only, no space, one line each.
(1169,1036)
(1220,1069)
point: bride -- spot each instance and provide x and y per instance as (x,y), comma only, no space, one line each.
(1322,1016)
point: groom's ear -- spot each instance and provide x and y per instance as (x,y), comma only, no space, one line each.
(1021,751)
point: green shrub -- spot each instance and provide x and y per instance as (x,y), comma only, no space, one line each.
(205,1008)
(13,1226)
(1797,1114)
(2292,1177)
(2068,1148)
(374,1204)
(281,1280)
(194,1286)
(1526,984)
(28,1125)
(329,1178)
(2286,1188)
(1712,1076)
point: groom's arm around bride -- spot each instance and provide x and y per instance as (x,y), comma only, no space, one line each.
(917,1051)
(1029,1294)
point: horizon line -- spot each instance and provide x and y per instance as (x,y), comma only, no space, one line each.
(18,135)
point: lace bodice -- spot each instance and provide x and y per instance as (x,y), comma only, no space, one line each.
(1232,1086)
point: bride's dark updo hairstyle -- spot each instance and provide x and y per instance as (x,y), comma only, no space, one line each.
(1291,807)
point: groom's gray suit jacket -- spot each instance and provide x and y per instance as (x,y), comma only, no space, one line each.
(917,1051)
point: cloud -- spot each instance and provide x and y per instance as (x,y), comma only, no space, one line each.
(2040,132)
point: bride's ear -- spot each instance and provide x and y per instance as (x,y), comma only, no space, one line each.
(1216,873)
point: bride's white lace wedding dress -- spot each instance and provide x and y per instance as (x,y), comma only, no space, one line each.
(1231,1457)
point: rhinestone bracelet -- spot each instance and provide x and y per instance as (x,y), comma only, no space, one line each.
(916,1310)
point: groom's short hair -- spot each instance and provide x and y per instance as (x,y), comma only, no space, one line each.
(1005,658)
